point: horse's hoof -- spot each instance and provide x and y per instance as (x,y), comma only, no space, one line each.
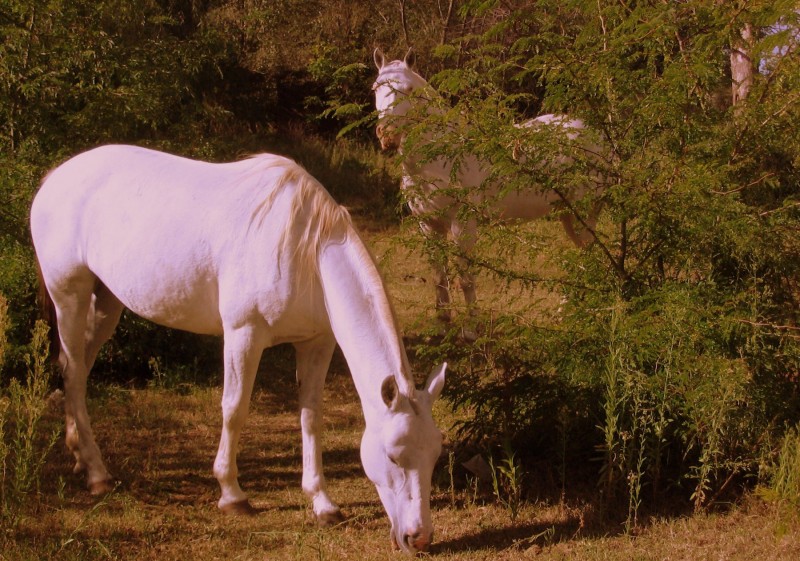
(330,519)
(239,508)
(101,487)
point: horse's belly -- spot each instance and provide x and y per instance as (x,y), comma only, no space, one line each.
(526,205)
(159,275)
(182,302)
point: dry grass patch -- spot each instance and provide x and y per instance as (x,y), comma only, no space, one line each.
(410,280)
(161,446)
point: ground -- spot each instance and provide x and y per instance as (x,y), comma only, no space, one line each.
(160,444)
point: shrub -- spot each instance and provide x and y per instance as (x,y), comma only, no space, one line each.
(785,481)
(3,329)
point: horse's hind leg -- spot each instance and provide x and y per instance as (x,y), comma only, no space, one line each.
(586,233)
(313,359)
(465,235)
(102,319)
(442,280)
(75,301)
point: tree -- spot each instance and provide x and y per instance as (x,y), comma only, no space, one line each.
(77,74)
(682,319)
(742,67)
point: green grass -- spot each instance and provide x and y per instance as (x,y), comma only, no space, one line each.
(409,277)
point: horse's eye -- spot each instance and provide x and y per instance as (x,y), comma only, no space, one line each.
(394,460)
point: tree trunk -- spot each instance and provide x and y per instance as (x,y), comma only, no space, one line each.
(742,68)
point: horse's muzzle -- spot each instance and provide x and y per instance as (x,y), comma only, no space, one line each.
(413,543)
(418,543)
(388,137)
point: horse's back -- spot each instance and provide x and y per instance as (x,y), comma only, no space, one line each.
(557,119)
(161,232)
(118,183)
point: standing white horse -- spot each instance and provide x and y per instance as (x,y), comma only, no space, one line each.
(258,252)
(429,183)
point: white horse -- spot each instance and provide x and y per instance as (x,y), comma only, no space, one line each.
(258,252)
(429,185)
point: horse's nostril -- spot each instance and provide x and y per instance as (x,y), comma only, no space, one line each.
(417,542)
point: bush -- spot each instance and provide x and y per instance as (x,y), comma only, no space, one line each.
(3,329)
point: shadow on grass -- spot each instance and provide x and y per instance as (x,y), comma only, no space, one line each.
(522,536)
(162,447)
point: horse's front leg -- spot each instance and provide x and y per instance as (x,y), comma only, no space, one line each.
(436,238)
(313,360)
(442,280)
(465,235)
(586,231)
(242,351)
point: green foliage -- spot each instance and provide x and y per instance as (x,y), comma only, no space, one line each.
(681,320)
(785,480)
(140,350)
(25,439)
(507,480)
(673,360)
(3,329)
(77,74)
(213,80)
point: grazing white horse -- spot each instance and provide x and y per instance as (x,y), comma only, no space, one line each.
(258,252)
(429,184)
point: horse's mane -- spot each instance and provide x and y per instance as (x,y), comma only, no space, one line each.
(314,216)
(325,220)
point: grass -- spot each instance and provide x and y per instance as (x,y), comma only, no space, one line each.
(410,280)
(160,445)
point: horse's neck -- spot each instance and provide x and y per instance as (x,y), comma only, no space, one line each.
(416,165)
(362,319)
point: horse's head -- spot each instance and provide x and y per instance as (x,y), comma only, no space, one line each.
(395,81)
(399,452)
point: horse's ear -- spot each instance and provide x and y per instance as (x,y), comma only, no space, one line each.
(390,392)
(435,381)
(410,58)
(378,57)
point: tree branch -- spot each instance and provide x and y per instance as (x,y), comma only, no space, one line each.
(403,22)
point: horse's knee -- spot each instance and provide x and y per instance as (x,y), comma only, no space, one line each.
(312,483)
(71,437)
(310,422)
(233,421)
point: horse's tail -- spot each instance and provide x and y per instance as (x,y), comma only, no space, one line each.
(47,312)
